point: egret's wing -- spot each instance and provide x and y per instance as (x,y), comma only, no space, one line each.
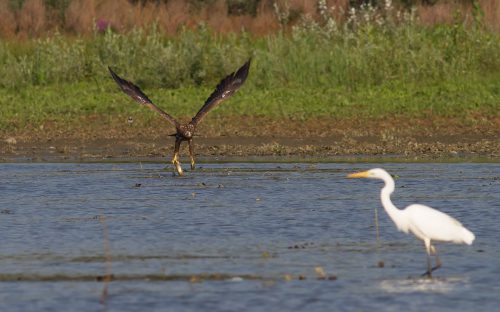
(135,93)
(226,87)
(434,224)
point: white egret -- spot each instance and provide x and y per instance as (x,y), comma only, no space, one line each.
(426,223)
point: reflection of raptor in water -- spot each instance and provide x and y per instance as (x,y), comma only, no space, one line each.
(185,132)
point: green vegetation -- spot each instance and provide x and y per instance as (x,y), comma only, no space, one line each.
(373,65)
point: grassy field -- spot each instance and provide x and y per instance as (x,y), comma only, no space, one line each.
(370,66)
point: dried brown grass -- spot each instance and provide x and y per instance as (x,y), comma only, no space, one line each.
(265,20)
(119,13)
(173,15)
(7,21)
(34,19)
(491,9)
(143,15)
(80,16)
(446,12)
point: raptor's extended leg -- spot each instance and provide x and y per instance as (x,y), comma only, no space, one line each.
(191,153)
(175,160)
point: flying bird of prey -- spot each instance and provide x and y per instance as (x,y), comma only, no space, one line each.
(224,90)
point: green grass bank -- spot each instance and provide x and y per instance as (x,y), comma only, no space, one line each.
(369,66)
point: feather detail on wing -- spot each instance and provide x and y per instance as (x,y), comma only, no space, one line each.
(135,93)
(226,87)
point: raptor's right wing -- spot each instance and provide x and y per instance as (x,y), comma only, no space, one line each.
(135,93)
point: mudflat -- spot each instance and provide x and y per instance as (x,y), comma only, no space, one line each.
(219,138)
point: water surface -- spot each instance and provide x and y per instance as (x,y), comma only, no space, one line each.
(240,236)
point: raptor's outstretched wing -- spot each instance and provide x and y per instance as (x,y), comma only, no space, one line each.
(223,91)
(134,92)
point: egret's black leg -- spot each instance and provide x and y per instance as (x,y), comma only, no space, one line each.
(428,247)
(438,261)
(429,268)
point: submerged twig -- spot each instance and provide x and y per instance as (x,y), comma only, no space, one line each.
(377,233)
(107,256)
(380,263)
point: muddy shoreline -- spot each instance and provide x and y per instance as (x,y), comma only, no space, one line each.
(260,139)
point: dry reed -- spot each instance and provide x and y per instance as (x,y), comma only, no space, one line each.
(82,17)
(7,20)
(78,22)
(32,18)
(491,9)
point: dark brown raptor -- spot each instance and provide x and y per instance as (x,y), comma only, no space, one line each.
(226,87)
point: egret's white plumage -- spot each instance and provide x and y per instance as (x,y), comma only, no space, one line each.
(426,223)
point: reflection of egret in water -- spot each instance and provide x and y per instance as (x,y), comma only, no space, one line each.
(426,223)
(434,285)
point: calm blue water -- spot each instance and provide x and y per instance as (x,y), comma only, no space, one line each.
(256,227)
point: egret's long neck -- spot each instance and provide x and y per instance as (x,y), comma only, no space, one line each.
(397,216)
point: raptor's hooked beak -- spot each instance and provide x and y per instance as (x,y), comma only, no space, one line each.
(363,174)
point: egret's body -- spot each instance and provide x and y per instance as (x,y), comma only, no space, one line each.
(426,223)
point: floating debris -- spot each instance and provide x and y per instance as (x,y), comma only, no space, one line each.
(104,278)
(265,255)
(301,246)
(320,272)
(236,279)
(288,277)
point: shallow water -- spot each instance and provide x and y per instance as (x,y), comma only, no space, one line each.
(240,236)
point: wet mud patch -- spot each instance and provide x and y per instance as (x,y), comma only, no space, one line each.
(258,138)
(135,277)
